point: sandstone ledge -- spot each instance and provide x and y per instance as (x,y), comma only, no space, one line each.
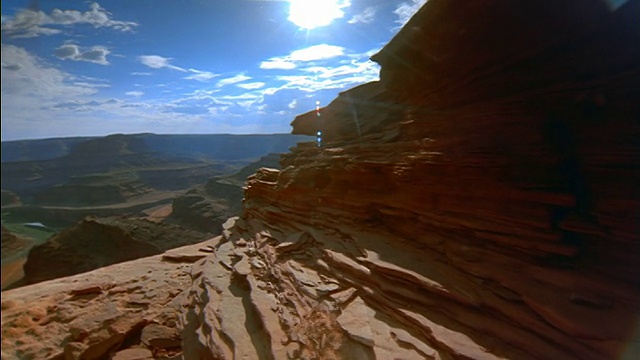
(482,205)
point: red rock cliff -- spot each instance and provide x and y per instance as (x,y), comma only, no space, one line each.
(482,198)
(481,201)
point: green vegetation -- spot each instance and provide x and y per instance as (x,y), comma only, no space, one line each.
(38,235)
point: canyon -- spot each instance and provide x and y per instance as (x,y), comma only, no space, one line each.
(68,197)
(479,201)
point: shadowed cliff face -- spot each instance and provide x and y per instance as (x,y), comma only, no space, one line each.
(479,202)
(488,184)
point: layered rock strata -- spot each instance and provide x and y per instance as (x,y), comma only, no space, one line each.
(479,202)
(125,311)
(482,196)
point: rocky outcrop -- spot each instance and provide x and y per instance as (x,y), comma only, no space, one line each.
(125,311)
(12,243)
(478,202)
(95,243)
(13,249)
(481,198)
(208,206)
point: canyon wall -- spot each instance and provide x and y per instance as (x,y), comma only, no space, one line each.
(480,201)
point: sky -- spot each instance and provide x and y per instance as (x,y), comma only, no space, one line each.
(82,68)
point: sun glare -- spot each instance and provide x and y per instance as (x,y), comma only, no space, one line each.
(310,14)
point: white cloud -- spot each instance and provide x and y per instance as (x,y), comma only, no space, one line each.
(406,10)
(25,74)
(203,94)
(218,111)
(317,52)
(244,96)
(83,105)
(96,54)
(37,97)
(158,62)
(275,63)
(331,78)
(311,53)
(352,70)
(246,103)
(40,101)
(364,17)
(232,80)
(137,73)
(269,91)
(31,23)
(292,104)
(202,76)
(251,86)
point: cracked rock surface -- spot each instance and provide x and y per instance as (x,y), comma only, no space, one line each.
(480,201)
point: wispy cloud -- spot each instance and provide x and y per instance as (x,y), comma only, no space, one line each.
(406,10)
(311,53)
(37,97)
(158,62)
(276,63)
(251,86)
(202,76)
(96,54)
(25,74)
(233,80)
(366,16)
(134,93)
(341,71)
(316,52)
(33,23)
(84,105)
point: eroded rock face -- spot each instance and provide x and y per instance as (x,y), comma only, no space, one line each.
(208,206)
(479,202)
(482,197)
(129,311)
(95,243)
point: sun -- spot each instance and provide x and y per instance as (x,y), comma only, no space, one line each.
(310,14)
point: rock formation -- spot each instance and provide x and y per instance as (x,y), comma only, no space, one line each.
(12,243)
(13,246)
(129,310)
(481,199)
(479,202)
(208,206)
(95,243)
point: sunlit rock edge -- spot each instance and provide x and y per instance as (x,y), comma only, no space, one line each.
(479,202)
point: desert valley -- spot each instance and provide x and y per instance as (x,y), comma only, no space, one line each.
(480,201)
(136,195)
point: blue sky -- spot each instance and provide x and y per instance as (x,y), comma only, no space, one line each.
(75,68)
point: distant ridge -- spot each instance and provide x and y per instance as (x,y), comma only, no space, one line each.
(213,146)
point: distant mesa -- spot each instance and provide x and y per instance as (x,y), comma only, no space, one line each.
(112,145)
